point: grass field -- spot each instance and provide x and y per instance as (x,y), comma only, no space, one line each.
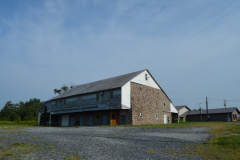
(224,144)
(22,123)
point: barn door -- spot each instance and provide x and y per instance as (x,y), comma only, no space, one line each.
(165,119)
(114,117)
(65,120)
(123,119)
(90,120)
(72,120)
(104,119)
(81,120)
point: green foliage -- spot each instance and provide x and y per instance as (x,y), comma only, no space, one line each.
(19,119)
(16,123)
(57,91)
(26,111)
(63,89)
(181,121)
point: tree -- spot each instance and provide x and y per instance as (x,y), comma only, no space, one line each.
(9,111)
(21,111)
(31,107)
(64,88)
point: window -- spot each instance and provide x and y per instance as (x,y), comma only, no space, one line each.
(146,77)
(53,103)
(164,105)
(141,115)
(97,97)
(117,92)
(71,99)
(156,116)
(89,96)
(64,101)
(111,94)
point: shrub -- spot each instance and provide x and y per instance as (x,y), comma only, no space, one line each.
(19,120)
(16,123)
(181,121)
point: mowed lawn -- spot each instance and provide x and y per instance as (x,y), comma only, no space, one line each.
(224,144)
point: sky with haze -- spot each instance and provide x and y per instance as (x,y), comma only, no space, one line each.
(192,48)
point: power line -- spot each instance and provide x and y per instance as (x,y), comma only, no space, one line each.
(199,104)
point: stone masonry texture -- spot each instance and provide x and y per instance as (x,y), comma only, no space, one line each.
(150,103)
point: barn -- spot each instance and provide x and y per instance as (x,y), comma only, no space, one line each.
(134,98)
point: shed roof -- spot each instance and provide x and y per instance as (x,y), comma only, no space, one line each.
(105,84)
(214,111)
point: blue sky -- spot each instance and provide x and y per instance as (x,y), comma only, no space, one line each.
(190,47)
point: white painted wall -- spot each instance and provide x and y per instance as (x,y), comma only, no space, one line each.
(65,120)
(126,98)
(141,80)
(39,118)
(173,109)
(183,110)
(126,89)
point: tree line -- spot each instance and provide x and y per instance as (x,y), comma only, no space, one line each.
(27,111)
(22,111)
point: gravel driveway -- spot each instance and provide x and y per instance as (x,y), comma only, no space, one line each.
(104,142)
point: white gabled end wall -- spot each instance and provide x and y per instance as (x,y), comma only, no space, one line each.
(173,109)
(183,110)
(126,89)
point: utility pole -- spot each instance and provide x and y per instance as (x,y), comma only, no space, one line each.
(225,103)
(200,114)
(207,107)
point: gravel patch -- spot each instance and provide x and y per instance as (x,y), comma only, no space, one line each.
(104,142)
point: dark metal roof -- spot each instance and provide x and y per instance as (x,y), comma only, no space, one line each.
(180,107)
(106,84)
(214,111)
